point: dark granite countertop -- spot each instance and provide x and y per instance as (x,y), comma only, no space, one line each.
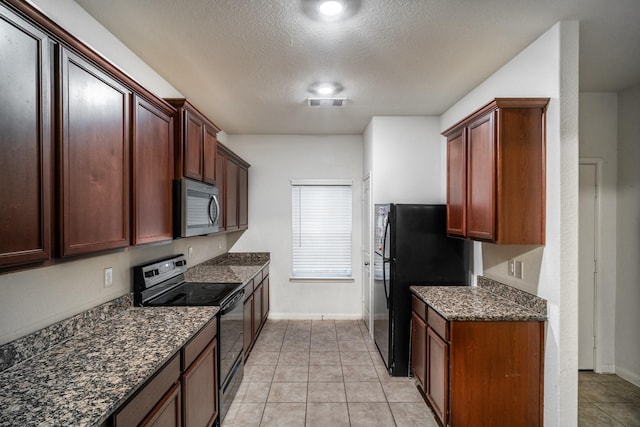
(234,267)
(82,380)
(464,303)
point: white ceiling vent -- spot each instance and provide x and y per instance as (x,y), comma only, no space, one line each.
(326,102)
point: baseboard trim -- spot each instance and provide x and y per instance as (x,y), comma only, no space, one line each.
(632,377)
(315,316)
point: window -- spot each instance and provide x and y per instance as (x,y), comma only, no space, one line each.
(321,220)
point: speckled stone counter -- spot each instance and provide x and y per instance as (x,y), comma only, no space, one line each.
(466,303)
(235,267)
(81,381)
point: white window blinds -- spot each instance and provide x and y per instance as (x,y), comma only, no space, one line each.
(321,220)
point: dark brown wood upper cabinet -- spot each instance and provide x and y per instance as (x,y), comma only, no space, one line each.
(195,153)
(210,145)
(496,173)
(25,142)
(220,173)
(152,172)
(231,193)
(94,123)
(243,196)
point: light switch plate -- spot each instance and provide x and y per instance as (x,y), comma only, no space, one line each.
(108,277)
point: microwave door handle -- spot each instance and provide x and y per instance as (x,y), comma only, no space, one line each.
(212,201)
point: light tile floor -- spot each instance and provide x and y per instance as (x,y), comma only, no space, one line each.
(322,373)
(607,400)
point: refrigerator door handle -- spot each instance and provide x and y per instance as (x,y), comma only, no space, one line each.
(385,261)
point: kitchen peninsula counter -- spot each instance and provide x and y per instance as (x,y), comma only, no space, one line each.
(86,377)
(489,301)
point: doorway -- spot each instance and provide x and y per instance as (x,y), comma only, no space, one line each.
(589,232)
(366,253)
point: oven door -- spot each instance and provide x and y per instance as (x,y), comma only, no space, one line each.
(231,348)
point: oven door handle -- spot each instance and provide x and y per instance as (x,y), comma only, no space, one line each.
(229,306)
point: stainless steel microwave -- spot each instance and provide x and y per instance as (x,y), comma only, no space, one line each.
(196,208)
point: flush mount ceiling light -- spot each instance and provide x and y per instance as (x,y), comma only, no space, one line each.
(330,10)
(325,88)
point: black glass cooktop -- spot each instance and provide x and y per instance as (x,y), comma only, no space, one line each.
(189,293)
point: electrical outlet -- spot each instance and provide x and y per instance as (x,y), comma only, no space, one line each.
(108,277)
(518,269)
(510,268)
(190,252)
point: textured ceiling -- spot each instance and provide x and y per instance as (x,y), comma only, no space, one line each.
(247,64)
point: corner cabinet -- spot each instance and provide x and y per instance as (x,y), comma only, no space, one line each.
(25,141)
(94,158)
(496,173)
(478,373)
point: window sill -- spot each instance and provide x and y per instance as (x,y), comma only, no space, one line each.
(321,279)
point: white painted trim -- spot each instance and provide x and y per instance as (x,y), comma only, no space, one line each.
(321,182)
(632,377)
(315,316)
(321,279)
(598,163)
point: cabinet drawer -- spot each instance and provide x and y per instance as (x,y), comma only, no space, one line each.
(257,278)
(248,289)
(438,323)
(198,343)
(146,399)
(419,307)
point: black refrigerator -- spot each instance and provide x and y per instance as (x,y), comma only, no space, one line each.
(411,247)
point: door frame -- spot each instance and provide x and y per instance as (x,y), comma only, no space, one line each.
(367,209)
(598,297)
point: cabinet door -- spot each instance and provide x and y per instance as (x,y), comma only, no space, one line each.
(220,173)
(200,389)
(265,298)
(481,179)
(168,412)
(247,332)
(25,141)
(152,158)
(243,197)
(193,145)
(457,185)
(257,310)
(231,194)
(209,154)
(94,156)
(437,374)
(418,349)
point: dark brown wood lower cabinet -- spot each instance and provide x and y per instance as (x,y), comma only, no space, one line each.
(418,349)
(257,309)
(200,389)
(248,326)
(437,375)
(168,412)
(479,373)
(265,298)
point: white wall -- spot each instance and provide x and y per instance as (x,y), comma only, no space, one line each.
(547,68)
(599,140)
(628,268)
(33,299)
(405,156)
(276,160)
(73,18)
